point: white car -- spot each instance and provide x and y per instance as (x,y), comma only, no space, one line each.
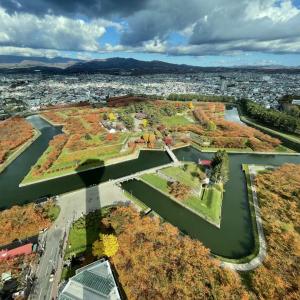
(51,278)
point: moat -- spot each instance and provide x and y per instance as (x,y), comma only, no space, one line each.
(233,240)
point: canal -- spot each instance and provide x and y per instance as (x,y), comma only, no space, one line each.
(233,240)
(11,194)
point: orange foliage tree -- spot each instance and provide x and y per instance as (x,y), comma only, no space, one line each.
(20,222)
(279,195)
(14,132)
(154,261)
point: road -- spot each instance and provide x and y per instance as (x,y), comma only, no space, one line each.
(73,205)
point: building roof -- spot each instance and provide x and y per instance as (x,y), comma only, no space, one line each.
(95,281)
(296,101)
(205,162)
(25,249)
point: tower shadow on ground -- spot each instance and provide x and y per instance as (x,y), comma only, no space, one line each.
(92,206)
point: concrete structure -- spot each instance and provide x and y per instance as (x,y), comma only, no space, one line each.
(94,281)
(296,102)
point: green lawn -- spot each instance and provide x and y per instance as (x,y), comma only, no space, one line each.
(186,174)
(175,120)
(53,212)
(156,181)
(84,232)
(208,205)
(95,155)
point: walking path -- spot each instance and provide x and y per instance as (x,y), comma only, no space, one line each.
(171,154)
(73,205)
(255,262)
(136,175)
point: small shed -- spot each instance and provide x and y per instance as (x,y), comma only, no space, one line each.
(205,162)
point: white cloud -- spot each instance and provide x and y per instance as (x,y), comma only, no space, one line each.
(23,51)
(155,46)
(51,32)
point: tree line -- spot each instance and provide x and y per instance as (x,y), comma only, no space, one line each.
(271,117)
(200,97)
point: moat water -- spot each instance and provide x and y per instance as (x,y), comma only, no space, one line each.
(233,240)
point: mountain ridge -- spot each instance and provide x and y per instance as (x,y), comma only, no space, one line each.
(115,66)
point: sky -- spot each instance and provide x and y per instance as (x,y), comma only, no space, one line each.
(195,32)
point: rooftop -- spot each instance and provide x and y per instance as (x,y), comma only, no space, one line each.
(95,281)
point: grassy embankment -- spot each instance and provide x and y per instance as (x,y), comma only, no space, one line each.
(285,137)
(18,151)
(86,159)
(207,203)
(176,120)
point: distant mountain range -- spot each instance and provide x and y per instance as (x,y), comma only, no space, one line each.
(115,66)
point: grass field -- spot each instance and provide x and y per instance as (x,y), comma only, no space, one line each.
(208,205)
(84,232)
(175,121)
(156,181)
(76,161)
(186,174)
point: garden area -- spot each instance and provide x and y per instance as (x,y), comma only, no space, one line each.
(186,185)
(93,137)
(83,236)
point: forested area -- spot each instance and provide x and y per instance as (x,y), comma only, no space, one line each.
(200,97)
(270,117)
(20,222)
(154,261)
(14,132)
(279,197)
(217,132)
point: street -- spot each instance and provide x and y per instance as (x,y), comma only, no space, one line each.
(73,205)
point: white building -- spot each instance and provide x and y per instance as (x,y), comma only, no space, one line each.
(92,282)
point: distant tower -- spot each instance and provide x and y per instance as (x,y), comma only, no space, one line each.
(223,85)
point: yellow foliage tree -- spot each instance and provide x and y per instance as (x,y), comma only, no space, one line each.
(191,105)
(107,245)
(111,117)
(151,138)
(146,137)
(145,123)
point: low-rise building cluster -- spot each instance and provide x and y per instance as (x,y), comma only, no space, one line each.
(28,93)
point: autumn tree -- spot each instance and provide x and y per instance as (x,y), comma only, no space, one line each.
(279,193)
(220,166)
(107,245)
(155,261)
(179,190)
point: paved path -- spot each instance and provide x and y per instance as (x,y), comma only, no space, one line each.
(73,206)
(255,262)
(136,175)
(171,154)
